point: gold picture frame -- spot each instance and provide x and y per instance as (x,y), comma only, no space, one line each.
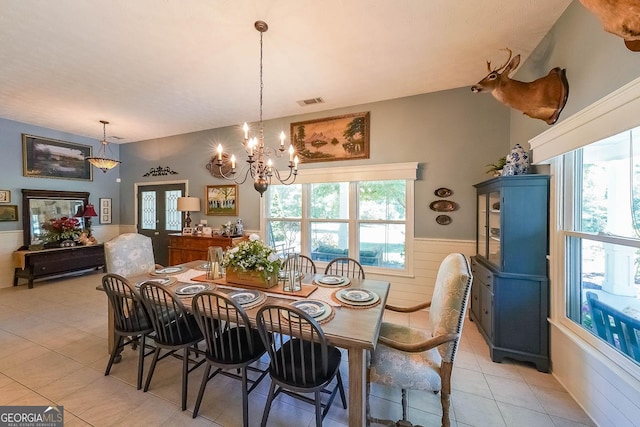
(222,200)
(9,213)
(5,196)
(51,158)
(334,138)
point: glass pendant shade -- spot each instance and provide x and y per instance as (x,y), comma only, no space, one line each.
(101,161)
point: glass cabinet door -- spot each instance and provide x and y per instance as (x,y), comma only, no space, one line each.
(481,241)
(493,255)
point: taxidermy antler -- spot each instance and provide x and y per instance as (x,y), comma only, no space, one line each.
(619,17)
(542,99)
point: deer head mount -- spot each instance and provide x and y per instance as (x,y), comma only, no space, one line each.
(619,17)
(542,99)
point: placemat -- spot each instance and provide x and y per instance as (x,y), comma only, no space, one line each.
(278,289)
(345,304)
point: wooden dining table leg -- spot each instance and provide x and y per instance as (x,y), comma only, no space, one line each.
(357,387)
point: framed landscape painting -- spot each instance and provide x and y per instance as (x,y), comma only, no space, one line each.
(334,138)
(50,158)
(222,200)
(9,213)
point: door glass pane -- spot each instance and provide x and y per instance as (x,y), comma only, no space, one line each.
(482,226)
(148,207)
(382,200)
(284,201)
(494,228)
(173,218)
(329,240)
(382,245)
(329,200)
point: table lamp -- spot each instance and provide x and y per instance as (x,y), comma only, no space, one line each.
(188,205)
(89,211)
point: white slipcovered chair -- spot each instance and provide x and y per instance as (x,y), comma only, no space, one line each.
(412,359)
(129,254)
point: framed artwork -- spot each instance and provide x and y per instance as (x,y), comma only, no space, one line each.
(334,138)
(222,200)
(50,158)
(9,213)
(105,211)
(5,196)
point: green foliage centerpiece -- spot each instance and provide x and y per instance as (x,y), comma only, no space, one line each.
(252,263)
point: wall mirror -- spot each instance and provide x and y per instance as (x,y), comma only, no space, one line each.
(39,206)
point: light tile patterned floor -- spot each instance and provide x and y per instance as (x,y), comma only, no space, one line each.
(53,351)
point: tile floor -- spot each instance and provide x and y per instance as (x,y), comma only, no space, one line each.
(53,351)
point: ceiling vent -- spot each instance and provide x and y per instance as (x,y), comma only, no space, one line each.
(310,101)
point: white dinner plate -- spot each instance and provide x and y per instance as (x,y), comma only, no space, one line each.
(245,297)
(331,280)
(311,307)
(192,289)
(361,297)
(164,281)
(168,270)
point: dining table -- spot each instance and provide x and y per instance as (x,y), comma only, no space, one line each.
(354,327)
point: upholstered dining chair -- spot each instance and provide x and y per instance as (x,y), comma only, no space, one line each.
(345,266)
(129,254)
(175,329)
(415,359)
(301,360)
(231,344)
(132,323)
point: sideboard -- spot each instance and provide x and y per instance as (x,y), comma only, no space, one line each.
(186,247)
(40,264)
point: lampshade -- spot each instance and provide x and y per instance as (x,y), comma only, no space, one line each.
(89,211)
(188,204)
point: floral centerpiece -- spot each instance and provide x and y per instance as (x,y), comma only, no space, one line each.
(252,263)
(59,229)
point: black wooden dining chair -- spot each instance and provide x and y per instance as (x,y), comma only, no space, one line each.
(306,264)
(301,360)
(346,267)
(175,329)
(132,323)
(231,344)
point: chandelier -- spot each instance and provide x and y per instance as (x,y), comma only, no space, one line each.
(258,164)
(101,161)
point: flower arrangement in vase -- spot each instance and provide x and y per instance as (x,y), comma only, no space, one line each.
(251,260)
(60,229)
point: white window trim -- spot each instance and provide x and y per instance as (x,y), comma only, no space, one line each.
(611,115)
(389,171)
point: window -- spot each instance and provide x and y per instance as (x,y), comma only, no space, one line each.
(360,218)
(601,231)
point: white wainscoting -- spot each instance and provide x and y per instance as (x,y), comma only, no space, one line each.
(427,256)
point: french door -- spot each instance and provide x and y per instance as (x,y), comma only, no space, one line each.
(158,215)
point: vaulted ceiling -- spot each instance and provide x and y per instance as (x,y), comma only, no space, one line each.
(156,68)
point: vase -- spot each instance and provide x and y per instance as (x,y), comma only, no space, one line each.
(251,278)
(518,160)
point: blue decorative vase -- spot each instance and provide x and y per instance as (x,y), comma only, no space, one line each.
(517,161)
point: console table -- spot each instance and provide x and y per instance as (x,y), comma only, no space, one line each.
(186,247)
(40,264)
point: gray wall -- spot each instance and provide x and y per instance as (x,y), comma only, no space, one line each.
(452,134)
(597,64)
(103,185)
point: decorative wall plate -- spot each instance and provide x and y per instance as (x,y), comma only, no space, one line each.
(443,192)
(443,206)
(443,219)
